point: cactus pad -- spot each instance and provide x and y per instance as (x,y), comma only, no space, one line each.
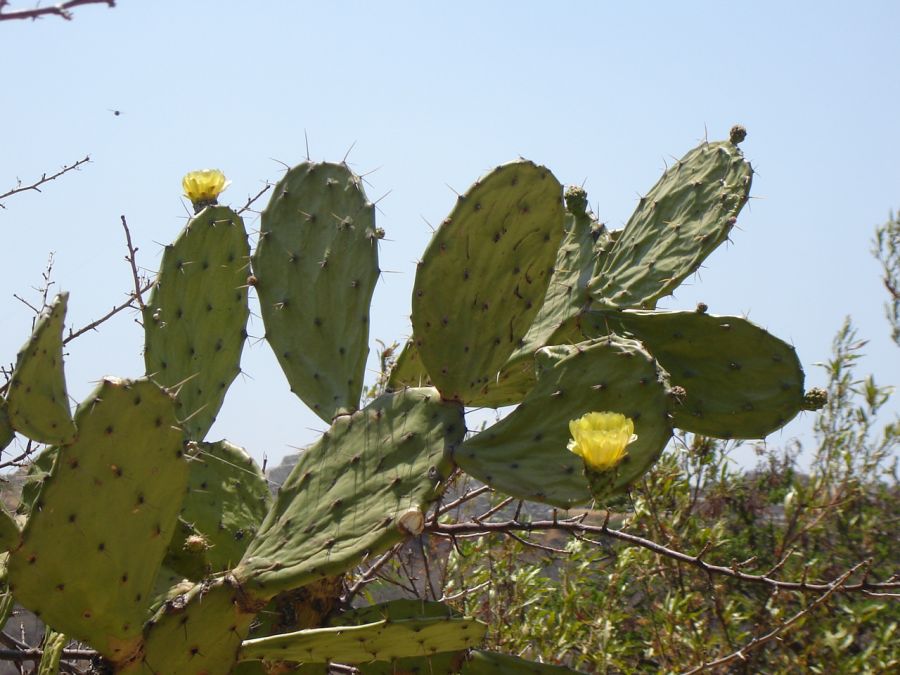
(345,497)
(9,531)
(198,632)
(483,277)
(740,381)
(227,499)
(7,433)
(37,404)
(583,247)
(195,322)
(442,662)
(383,640)
(316,265)
(683,218)
(525,454)
(110,504)
(408,370)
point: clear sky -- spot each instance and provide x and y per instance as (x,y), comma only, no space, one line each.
(433,95)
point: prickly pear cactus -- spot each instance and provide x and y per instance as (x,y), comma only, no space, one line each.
(738,381)
(354,492)
(195,322)
(227,499)
(525,454)
(583,247)
(198,632)
(7,433)
(315,269)
(683,218)
(38,405)
(483,277)
(113,491)
(384,640)
(181,549)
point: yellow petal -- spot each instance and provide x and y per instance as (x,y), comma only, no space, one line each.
(204,186)
(600,438)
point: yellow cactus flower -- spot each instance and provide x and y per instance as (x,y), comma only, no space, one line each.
(600,438)
(204,186)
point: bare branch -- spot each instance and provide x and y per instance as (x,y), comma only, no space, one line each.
(36,185)
(138,285)
(63,10)
(574,525)
(252,199)
(115,310)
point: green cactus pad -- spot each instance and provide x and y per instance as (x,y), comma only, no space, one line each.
(347,496)
(316,265)
(195,322)
(408,370)
(395,609)
(110,505)
(491,663)
(227,499)
(37,403)
(686,215)
(443,662)
(198,632)
(739,380)
(525,454)
(383,640)
(38,473)
(483,277)
(584,244)
(7,433)
(9,531)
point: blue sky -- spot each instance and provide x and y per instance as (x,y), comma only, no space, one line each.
(433,95)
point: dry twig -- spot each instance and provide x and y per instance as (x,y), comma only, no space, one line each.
(63,9)
(575,525)
(36,185)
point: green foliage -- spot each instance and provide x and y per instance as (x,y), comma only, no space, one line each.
(887,250)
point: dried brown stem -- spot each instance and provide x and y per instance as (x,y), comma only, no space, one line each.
(36,185)
(111,313)
(138,284)
(252,199)
(63,9)
(573,525)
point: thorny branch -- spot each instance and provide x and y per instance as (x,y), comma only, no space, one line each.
(36,185)
(577,526)
(130,258)
(252,199)
(63,9)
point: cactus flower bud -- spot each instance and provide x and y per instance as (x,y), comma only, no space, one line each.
(203,187)
(600,439)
